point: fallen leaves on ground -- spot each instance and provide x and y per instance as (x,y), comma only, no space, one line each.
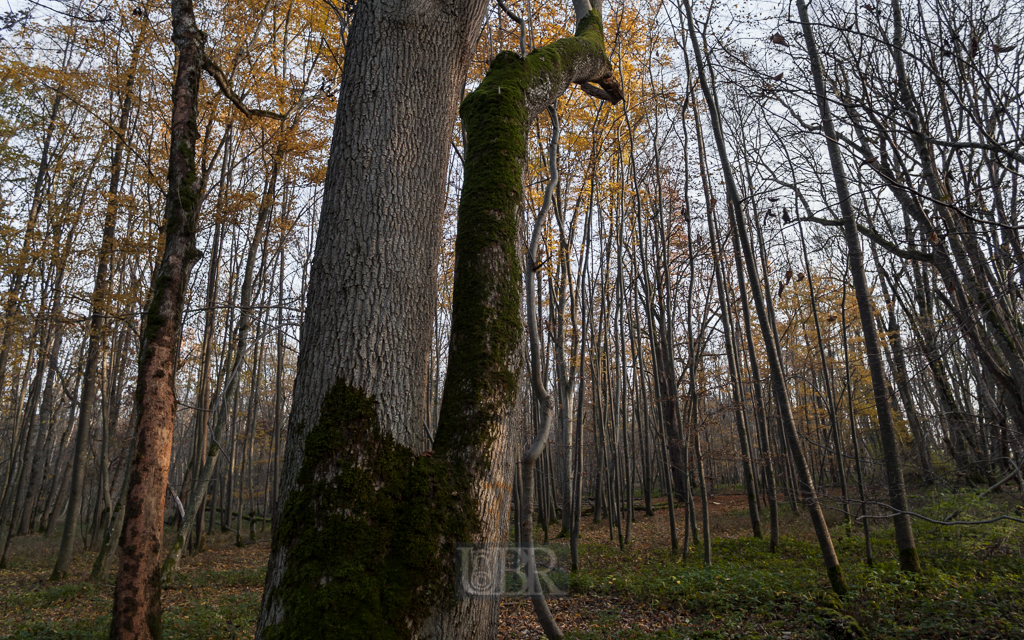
(579,613)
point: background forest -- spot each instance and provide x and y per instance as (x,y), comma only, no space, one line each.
(694,265)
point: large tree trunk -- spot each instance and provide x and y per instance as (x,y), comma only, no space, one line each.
(356,467)
(371,293)
(137,590)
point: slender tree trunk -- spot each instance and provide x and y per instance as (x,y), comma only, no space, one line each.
(97,327)
(47,426)
(55,498)
(826,375)
(705,516)
(727,336)
(903,383)
(101,565)
(908,557)
(853,434)
(137,609)
(761,415)
(543,399)
(577,492)
(202,421)
(13,297)
(14,494)
(278,383)
(831,561)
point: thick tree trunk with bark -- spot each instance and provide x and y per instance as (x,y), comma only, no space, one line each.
(371,294)
(356,468)
(367,328)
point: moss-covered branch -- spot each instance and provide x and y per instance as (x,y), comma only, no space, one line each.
(484,360)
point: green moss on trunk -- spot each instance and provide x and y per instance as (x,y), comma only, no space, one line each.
(369,529)
(484,360)
(909,560)
(837,580)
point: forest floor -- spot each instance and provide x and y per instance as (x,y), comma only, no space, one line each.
(972,585)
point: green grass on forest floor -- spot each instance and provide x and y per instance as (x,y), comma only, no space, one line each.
(215,595)
(748,592)
(972,586)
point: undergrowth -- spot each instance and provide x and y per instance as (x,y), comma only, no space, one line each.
(971,587)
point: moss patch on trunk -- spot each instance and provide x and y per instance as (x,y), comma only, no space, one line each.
(369,529)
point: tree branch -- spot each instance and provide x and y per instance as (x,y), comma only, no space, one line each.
(225,87)
(600,93)
(874,236)
(896,513)
(522,26)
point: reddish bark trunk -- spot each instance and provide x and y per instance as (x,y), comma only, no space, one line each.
(137,590)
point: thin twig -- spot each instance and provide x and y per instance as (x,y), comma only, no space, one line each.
(895,513)
(543,398)
(520,22)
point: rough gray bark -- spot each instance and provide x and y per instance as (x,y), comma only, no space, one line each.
(371,290)
(371,293)
(358,417)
